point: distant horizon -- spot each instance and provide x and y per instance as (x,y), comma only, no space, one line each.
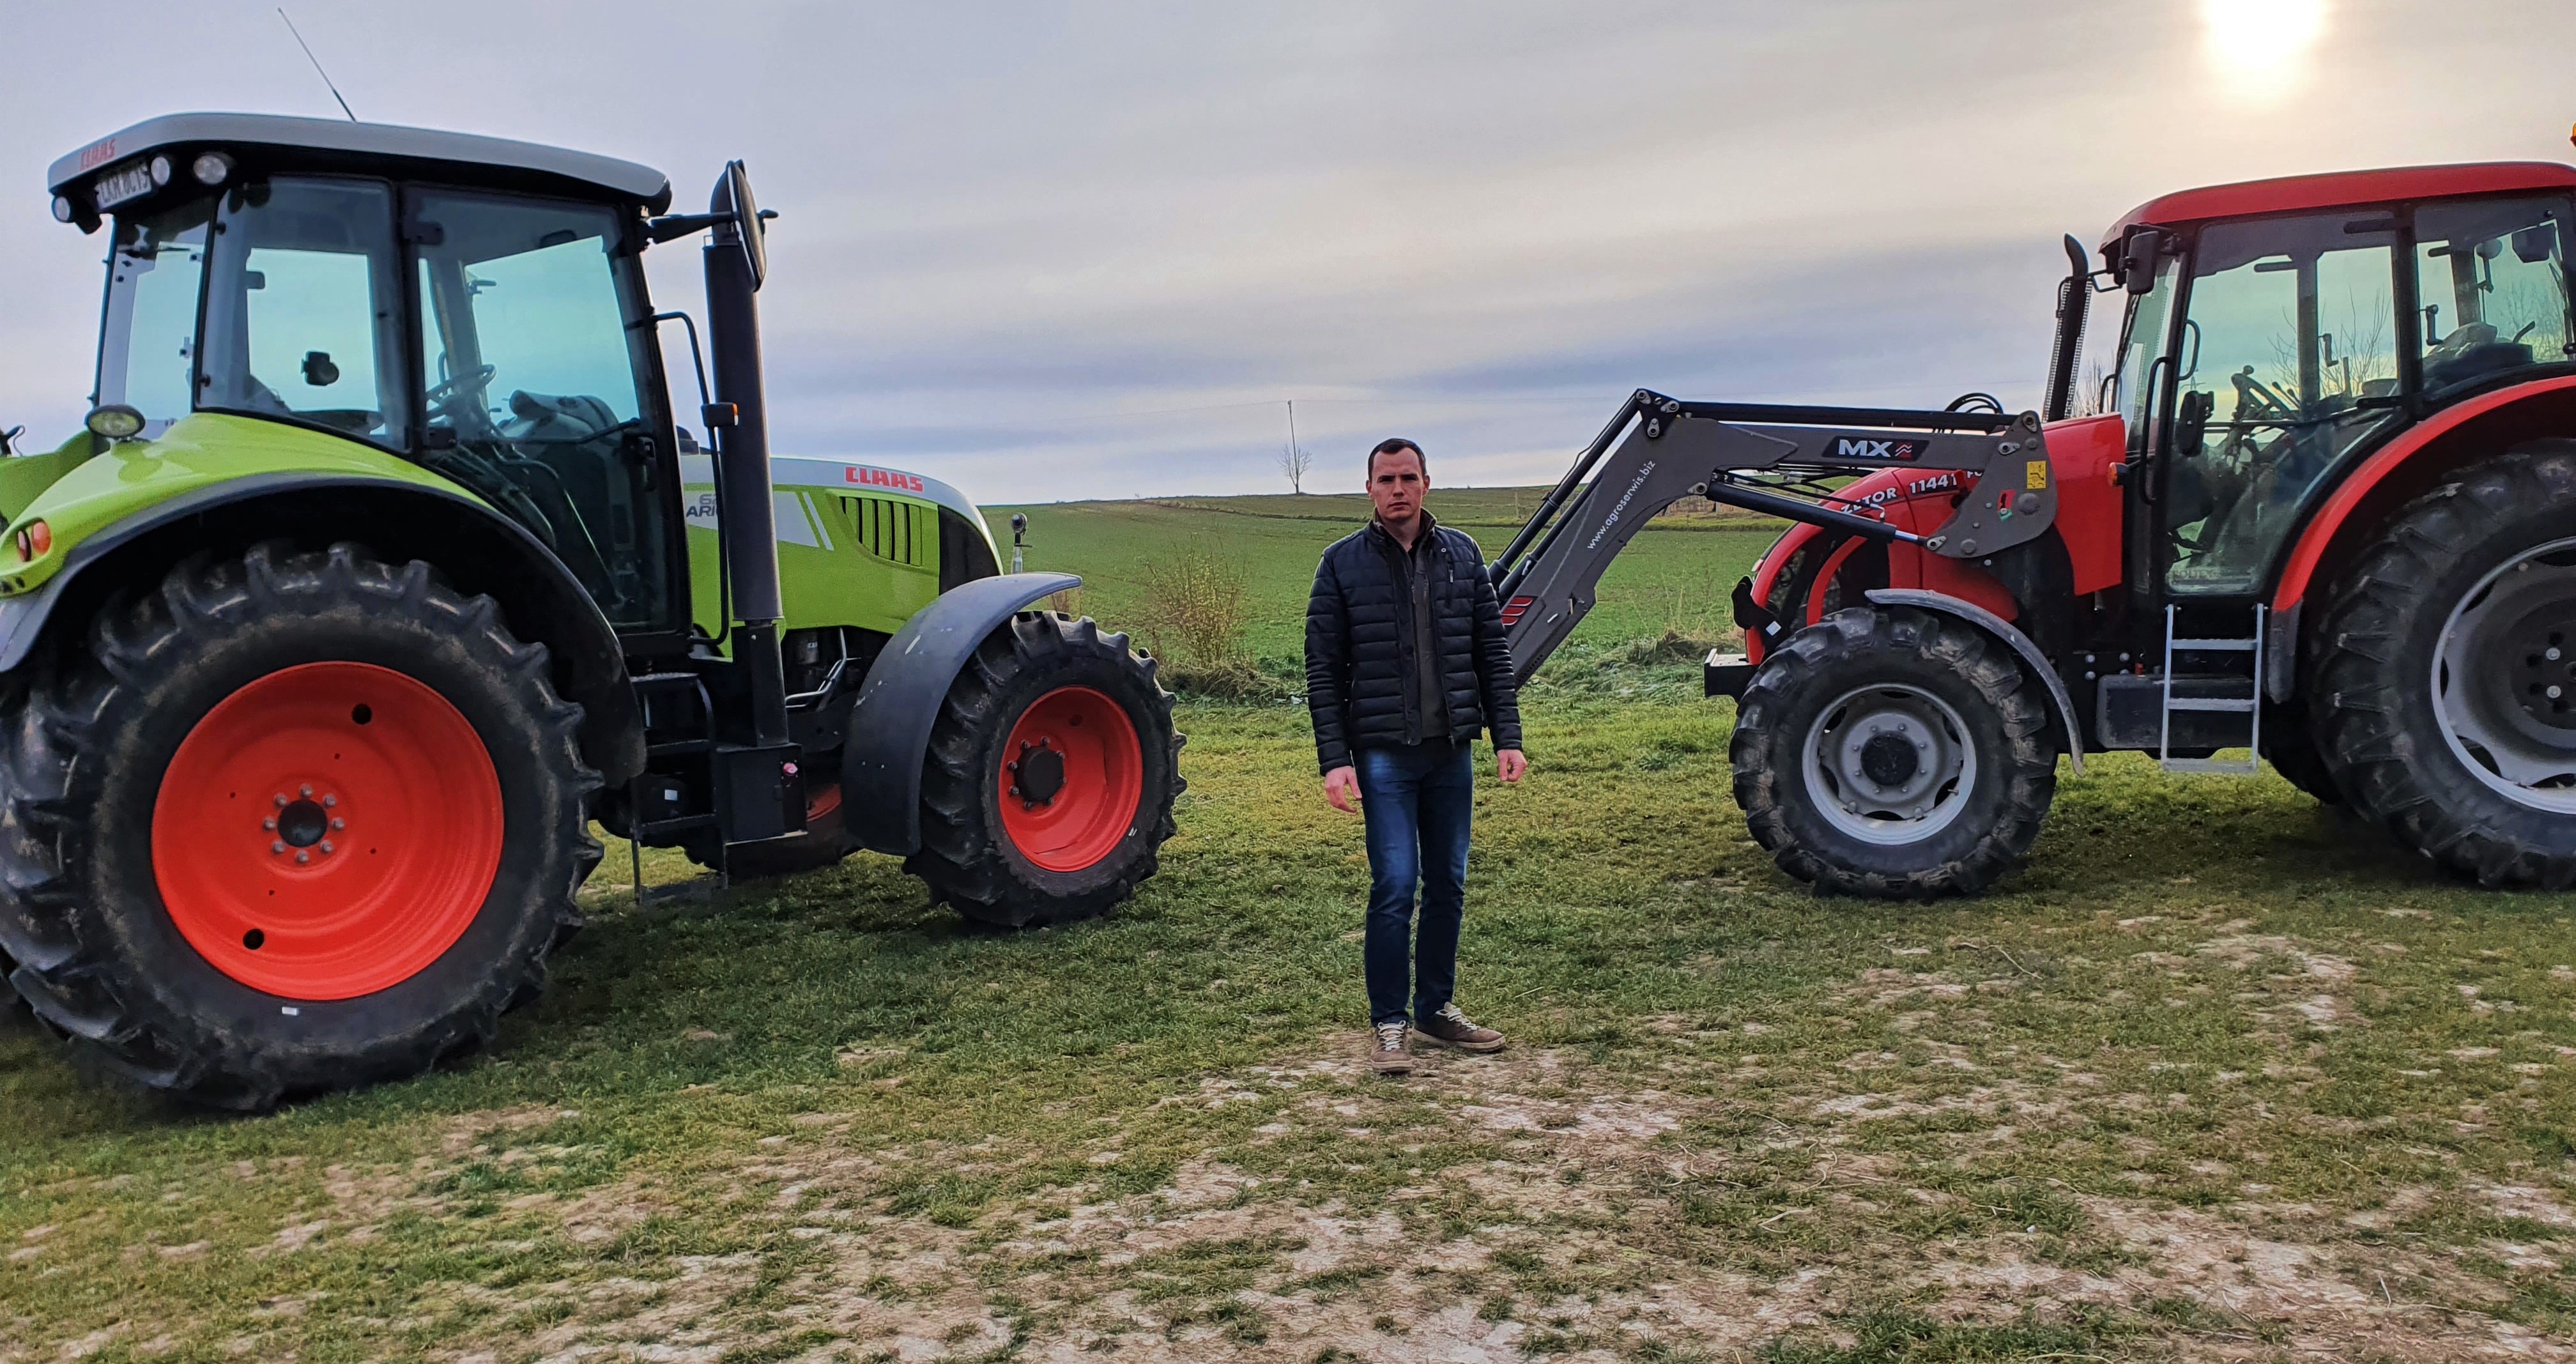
(1107,251)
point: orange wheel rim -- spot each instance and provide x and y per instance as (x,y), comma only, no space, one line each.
(327,831)
(1071,778)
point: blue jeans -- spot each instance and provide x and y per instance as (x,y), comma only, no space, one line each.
(1418,801)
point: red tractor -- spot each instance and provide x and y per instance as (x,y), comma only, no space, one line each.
(2320,507)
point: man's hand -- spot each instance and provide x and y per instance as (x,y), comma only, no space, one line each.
(1342,789)
(1509,764)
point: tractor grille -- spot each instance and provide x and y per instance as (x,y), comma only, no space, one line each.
(898,531)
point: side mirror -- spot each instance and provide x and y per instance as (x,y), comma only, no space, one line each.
(2138,253)
(2531,245)
(1019,527)
(739,218)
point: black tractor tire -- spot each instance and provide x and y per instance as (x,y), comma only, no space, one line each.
(1962,694)
(2290,745)
(970,856)
(99,745)
(2379,724)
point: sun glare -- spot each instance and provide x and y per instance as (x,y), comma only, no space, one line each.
(2261,46)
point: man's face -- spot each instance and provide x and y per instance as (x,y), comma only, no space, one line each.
(1396,485)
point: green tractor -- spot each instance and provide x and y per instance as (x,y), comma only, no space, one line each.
(383,569)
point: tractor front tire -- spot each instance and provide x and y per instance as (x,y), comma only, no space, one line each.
(2445,697)
(287,823)
(1053,765)
(1893,753)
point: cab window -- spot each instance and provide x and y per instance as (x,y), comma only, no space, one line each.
(2287,357)
(301,304)
(2491,278)
(532,384)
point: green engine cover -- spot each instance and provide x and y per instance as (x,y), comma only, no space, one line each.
(858,544)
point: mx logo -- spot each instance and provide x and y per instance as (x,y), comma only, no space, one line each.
(1850,448)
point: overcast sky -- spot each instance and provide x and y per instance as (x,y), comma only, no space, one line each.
(1091,251)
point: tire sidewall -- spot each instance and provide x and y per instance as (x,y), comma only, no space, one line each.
(514,923)
(2406,677)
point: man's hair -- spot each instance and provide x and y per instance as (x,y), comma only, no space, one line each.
(1396,445)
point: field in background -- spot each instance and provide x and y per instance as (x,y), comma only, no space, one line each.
(2220,1076)
(1675,576)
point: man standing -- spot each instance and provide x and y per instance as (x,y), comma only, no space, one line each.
(1405,666)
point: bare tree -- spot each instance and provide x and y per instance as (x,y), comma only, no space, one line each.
(1294,461)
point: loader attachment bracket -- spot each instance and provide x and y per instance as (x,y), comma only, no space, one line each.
(1780,460)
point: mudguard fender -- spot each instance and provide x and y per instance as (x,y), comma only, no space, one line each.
(891,721)
(2019,643)
(476,548)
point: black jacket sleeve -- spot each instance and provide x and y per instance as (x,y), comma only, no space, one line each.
(1328,643)
(1494,666)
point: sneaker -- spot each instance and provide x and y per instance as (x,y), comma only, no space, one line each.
(1450,1028)
(1387,1055)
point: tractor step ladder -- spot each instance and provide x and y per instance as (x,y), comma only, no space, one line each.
(694,729)
(2250,705)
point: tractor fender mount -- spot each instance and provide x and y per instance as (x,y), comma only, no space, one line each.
(897,706)
(2058,701)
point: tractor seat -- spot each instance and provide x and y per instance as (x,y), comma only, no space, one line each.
(2471,352)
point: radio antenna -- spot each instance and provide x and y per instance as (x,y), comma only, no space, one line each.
(317,64)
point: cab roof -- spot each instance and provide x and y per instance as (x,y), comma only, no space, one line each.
(2342,189)
(321,143)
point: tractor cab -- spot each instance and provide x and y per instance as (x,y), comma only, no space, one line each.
(471,305)
(2278,331)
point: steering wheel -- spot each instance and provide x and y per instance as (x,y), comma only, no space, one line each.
(472,381)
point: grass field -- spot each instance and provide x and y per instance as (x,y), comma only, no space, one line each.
(1675,576)
(2219,1076)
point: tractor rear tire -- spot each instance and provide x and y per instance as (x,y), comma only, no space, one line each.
(2290,745)
(1893,753)
(289,822)
(1048,791)
(2446,693)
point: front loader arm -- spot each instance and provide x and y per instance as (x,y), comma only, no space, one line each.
(1658,450)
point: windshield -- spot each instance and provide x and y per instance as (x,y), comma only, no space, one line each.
(147,349)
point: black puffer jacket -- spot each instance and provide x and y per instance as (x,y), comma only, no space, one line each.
(1359,647)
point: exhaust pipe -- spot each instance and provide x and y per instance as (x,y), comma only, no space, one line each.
(734,258)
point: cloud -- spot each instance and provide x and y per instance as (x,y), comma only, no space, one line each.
(1060,250)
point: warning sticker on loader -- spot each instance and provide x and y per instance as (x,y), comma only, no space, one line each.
(2036,477)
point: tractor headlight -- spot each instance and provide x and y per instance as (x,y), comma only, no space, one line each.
(115,421)
(63,210)
(210,168)
(160,170)
(34,541)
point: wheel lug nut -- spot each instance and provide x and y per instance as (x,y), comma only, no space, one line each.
(329,801)
(268,824)
(281,801)
(305,791)
(302,858)
(326,845)
(277,847)
(339,824)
